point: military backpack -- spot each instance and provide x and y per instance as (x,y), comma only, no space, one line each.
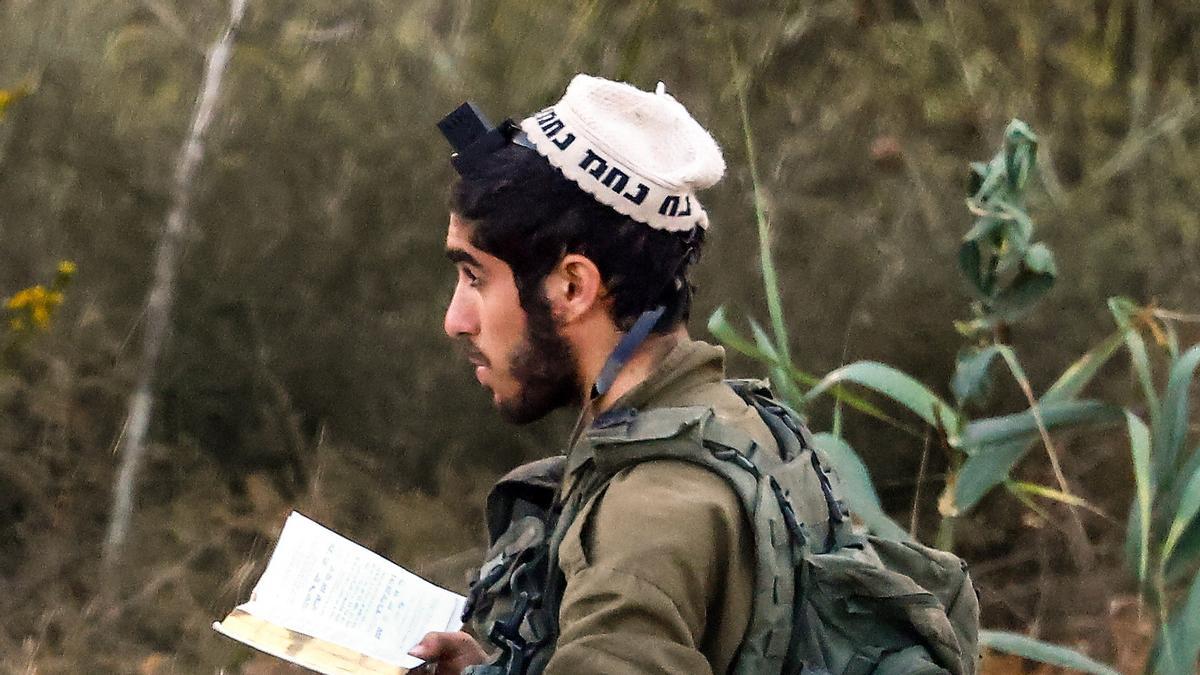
(827,598)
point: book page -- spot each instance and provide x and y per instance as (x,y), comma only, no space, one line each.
(319,584)
(310,652)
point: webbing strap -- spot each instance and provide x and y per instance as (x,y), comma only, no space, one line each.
(625,349)
(646,322)
(788,430)
(729,437)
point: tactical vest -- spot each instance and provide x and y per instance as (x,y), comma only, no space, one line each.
(827,599)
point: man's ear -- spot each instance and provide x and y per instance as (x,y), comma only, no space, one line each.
(574,288)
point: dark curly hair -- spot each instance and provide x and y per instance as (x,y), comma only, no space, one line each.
(525,212)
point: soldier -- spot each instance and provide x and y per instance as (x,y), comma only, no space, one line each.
(691,526)
(573,238)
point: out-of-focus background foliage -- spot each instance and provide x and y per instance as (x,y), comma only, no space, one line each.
(307,368)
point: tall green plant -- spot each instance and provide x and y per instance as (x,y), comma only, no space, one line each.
(1006,269)
(1163,528)
(1009,273)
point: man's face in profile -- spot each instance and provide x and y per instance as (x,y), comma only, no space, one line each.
(518,355)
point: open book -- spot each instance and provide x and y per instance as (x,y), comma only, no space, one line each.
(330,605)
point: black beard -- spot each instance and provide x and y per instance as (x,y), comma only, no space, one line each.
(543,367)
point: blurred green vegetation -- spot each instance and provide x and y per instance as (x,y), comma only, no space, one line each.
(307,365)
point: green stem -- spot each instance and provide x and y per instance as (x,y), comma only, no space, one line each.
(770,278)
(945,534)
(1164,613)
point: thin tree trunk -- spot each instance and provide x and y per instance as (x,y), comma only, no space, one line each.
(161,298)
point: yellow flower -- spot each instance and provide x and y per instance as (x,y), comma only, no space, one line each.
(33,308)
(41,317)
(26,298)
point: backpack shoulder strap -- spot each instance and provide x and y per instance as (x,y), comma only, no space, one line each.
(529,487)
(626,437)
(696,435)
(691,434)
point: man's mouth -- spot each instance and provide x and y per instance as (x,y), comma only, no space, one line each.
(481,368)
(473,355)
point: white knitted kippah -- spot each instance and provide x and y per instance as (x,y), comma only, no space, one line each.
(641,153)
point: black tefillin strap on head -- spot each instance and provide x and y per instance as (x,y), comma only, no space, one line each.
(645,323)
(473,137)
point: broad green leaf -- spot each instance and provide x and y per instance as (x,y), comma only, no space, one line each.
(856,482)
(719,326)
(1020,153)
(1022,426)
(990,465)
(1040,260)
(1020,296)
(1133,539)
(992,179)
(986,468)
(842,395)
(781,375)
(836,426)
(1171,431)
(983,229)
(1187,553)
(896,385)
(1178,644)
(1169,495)
(763,341)
(1079,374)
(971,380)
(1024,227)
(1122,310)
(1017,232)
(1140,360)
(723,330)
(1042,652)
(1139,443)
(1189,506)
(970,262)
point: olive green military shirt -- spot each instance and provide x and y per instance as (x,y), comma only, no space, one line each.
(659,567)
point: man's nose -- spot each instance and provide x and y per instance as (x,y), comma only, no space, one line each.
(461,315)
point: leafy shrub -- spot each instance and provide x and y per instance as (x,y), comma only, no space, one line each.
(1009,273)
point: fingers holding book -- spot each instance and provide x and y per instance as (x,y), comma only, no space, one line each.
(447,653)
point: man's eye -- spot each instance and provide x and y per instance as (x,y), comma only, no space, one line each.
(471,277)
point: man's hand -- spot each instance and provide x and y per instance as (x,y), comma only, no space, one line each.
(449,653)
